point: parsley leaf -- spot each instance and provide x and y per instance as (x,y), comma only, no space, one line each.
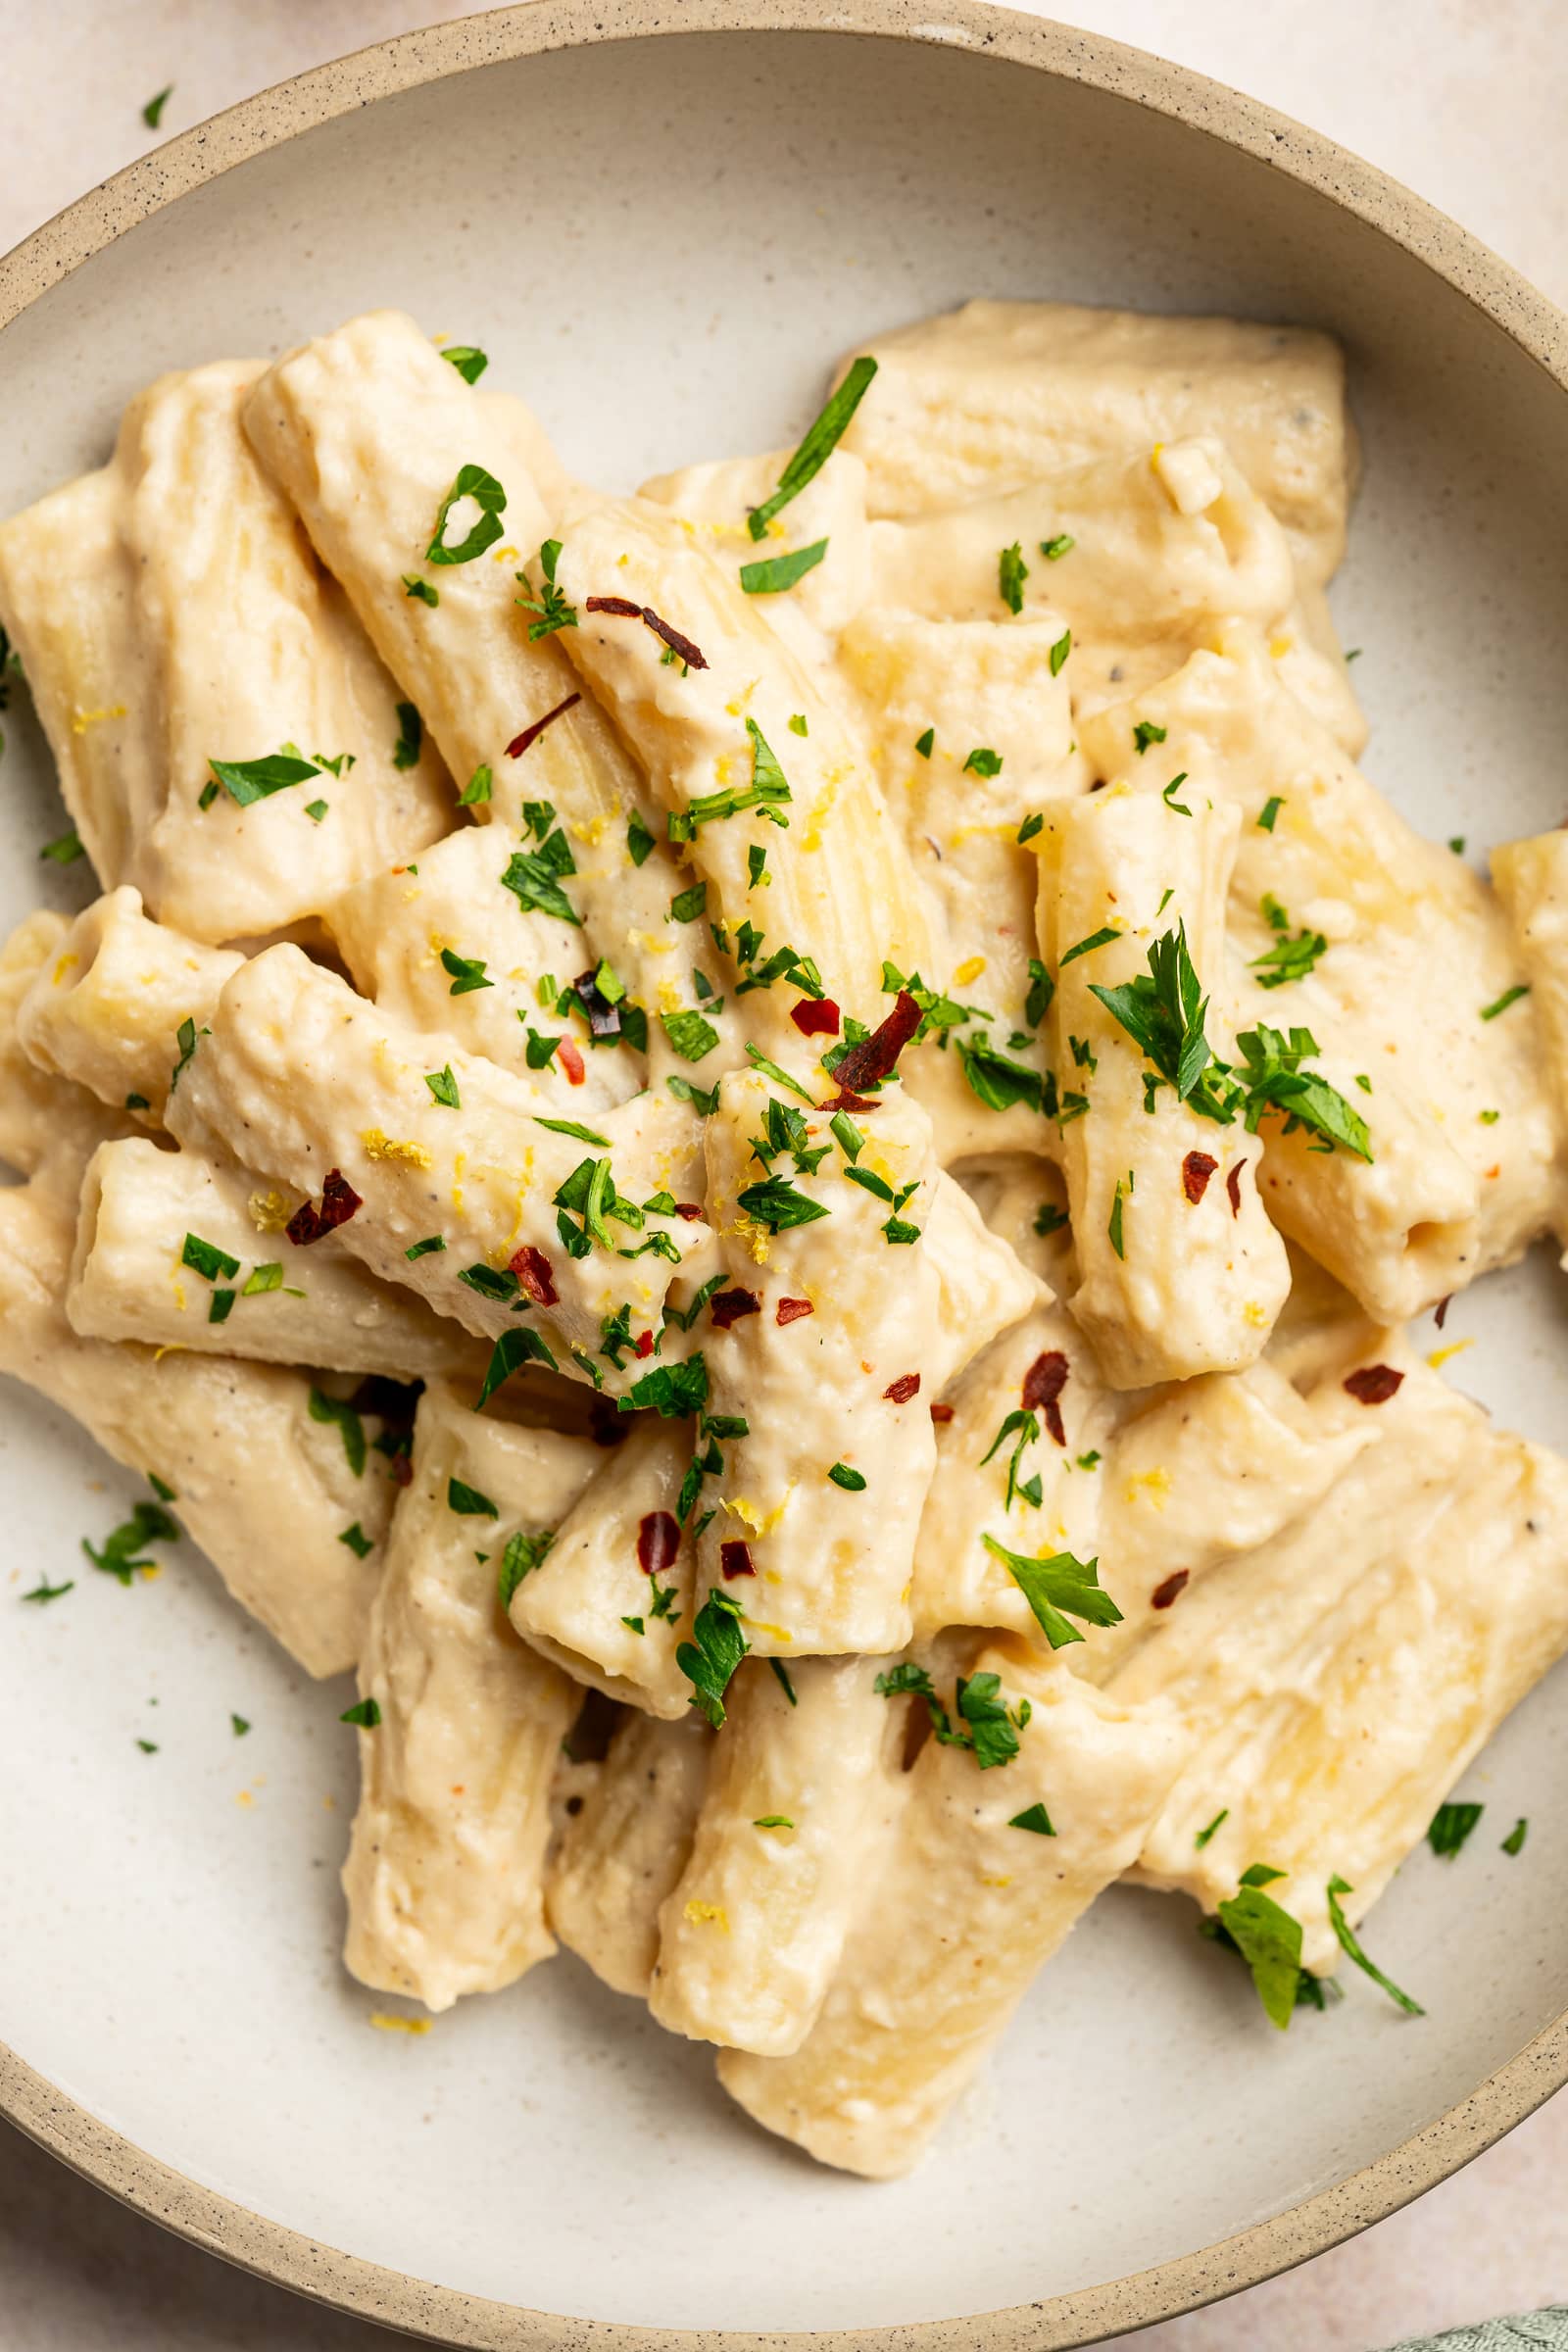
(716,1648)
(247,781)
(982,762)
(149,1523)
(1011,573)
(66,851)
(691,1035)
(332,1411)
(533,878)
(775,574)
(522,1556)
(365,1715)
(779,1205)
(406,750)
(1450,1825)
(1056,1583)
(673,1391)
(821,438)
(206,1259)
(519,1346)
(469,361)
(469,1503)
(1352,1949)
(639,841)
(1033,1817)
(444,1086)
(468,973)
(473,481)
(1269,1941)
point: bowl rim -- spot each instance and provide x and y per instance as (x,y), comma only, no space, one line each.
(60,2124)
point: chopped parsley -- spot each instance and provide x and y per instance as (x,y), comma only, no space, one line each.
(1054,549)
(444,1086)
(1268,1940)
(639,841)
(424,592)
(152,114)
(1352,1949)
(468,973)
(358,1542)
(469,361)
(1011,573)
(779,1205)
(849,1479)
(1057,1587)
(1179,807)
(365,1715)
(123,1545)
(478,789)
(716,1648)
(1087,947)
(1059,652)
(1513,1843)
(1509,995)
(316,811)
(673,1391)
(704,1100)
(578,1135)
(773,1821)
(431,1242)
(519,1346)
(1286,958)
(1034,1818)
(1270,811)
(47,1591)
(551,606)
(206,1259)
(992,1727)
(1145,733)
(1022,1425)
(250,780)
(775,574)
(522,1556)
(769,786)
(688,905)
(757,866)
(332,1411)
(534,876)
(66,851)
(821,438)
(1204,1835)
(473,481)
(1450,1825)
(411,735)
(469,1503)
(983,762)
(925,744)
(690,1034)
(780,1673)
(185,1039)
(240,1724)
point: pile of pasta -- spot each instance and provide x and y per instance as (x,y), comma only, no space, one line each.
(764,1147)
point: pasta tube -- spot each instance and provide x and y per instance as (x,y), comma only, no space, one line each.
(169,1252)
(394,930)
(368,431)
(718,739)
(973,1897)
(997,393)
(805,1785)
(612,1601)
(1531,878)
(974,737)
(290,1508)
(626,1845)
(127,597)
(1394,958)
(303,1079)
(1180,1270)
(445,1872)
(824,1356)
(40,1114)
(1338,1680)
(107,1009)
(712,504)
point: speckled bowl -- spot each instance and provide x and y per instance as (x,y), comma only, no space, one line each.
(663,220)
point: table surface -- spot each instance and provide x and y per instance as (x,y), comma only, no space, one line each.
(1464,103)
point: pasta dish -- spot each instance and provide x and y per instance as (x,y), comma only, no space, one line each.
(766,1148)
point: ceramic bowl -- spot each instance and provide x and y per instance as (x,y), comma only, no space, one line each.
(663,224)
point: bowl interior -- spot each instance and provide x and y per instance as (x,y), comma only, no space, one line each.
(663,242)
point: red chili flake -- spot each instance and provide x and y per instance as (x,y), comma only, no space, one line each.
(533,1271)
(1042,1384)
(847,1101)
(1232,1185)
(870,1061)
(519,743)
(1444,1304)
(687,1210)
(790,1311)
(942,1412)
(645,1344)
(658,1541)
(604,1017)
(621,608)
(339,1202)
(571,1062)
(899,1391)
(1196,1169)
(815,1016)
(736,1559)
(1373,1384)
(1164,1595)
(729,1306)
(676,643)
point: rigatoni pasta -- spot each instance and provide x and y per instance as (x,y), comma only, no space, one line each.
(765,1146)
